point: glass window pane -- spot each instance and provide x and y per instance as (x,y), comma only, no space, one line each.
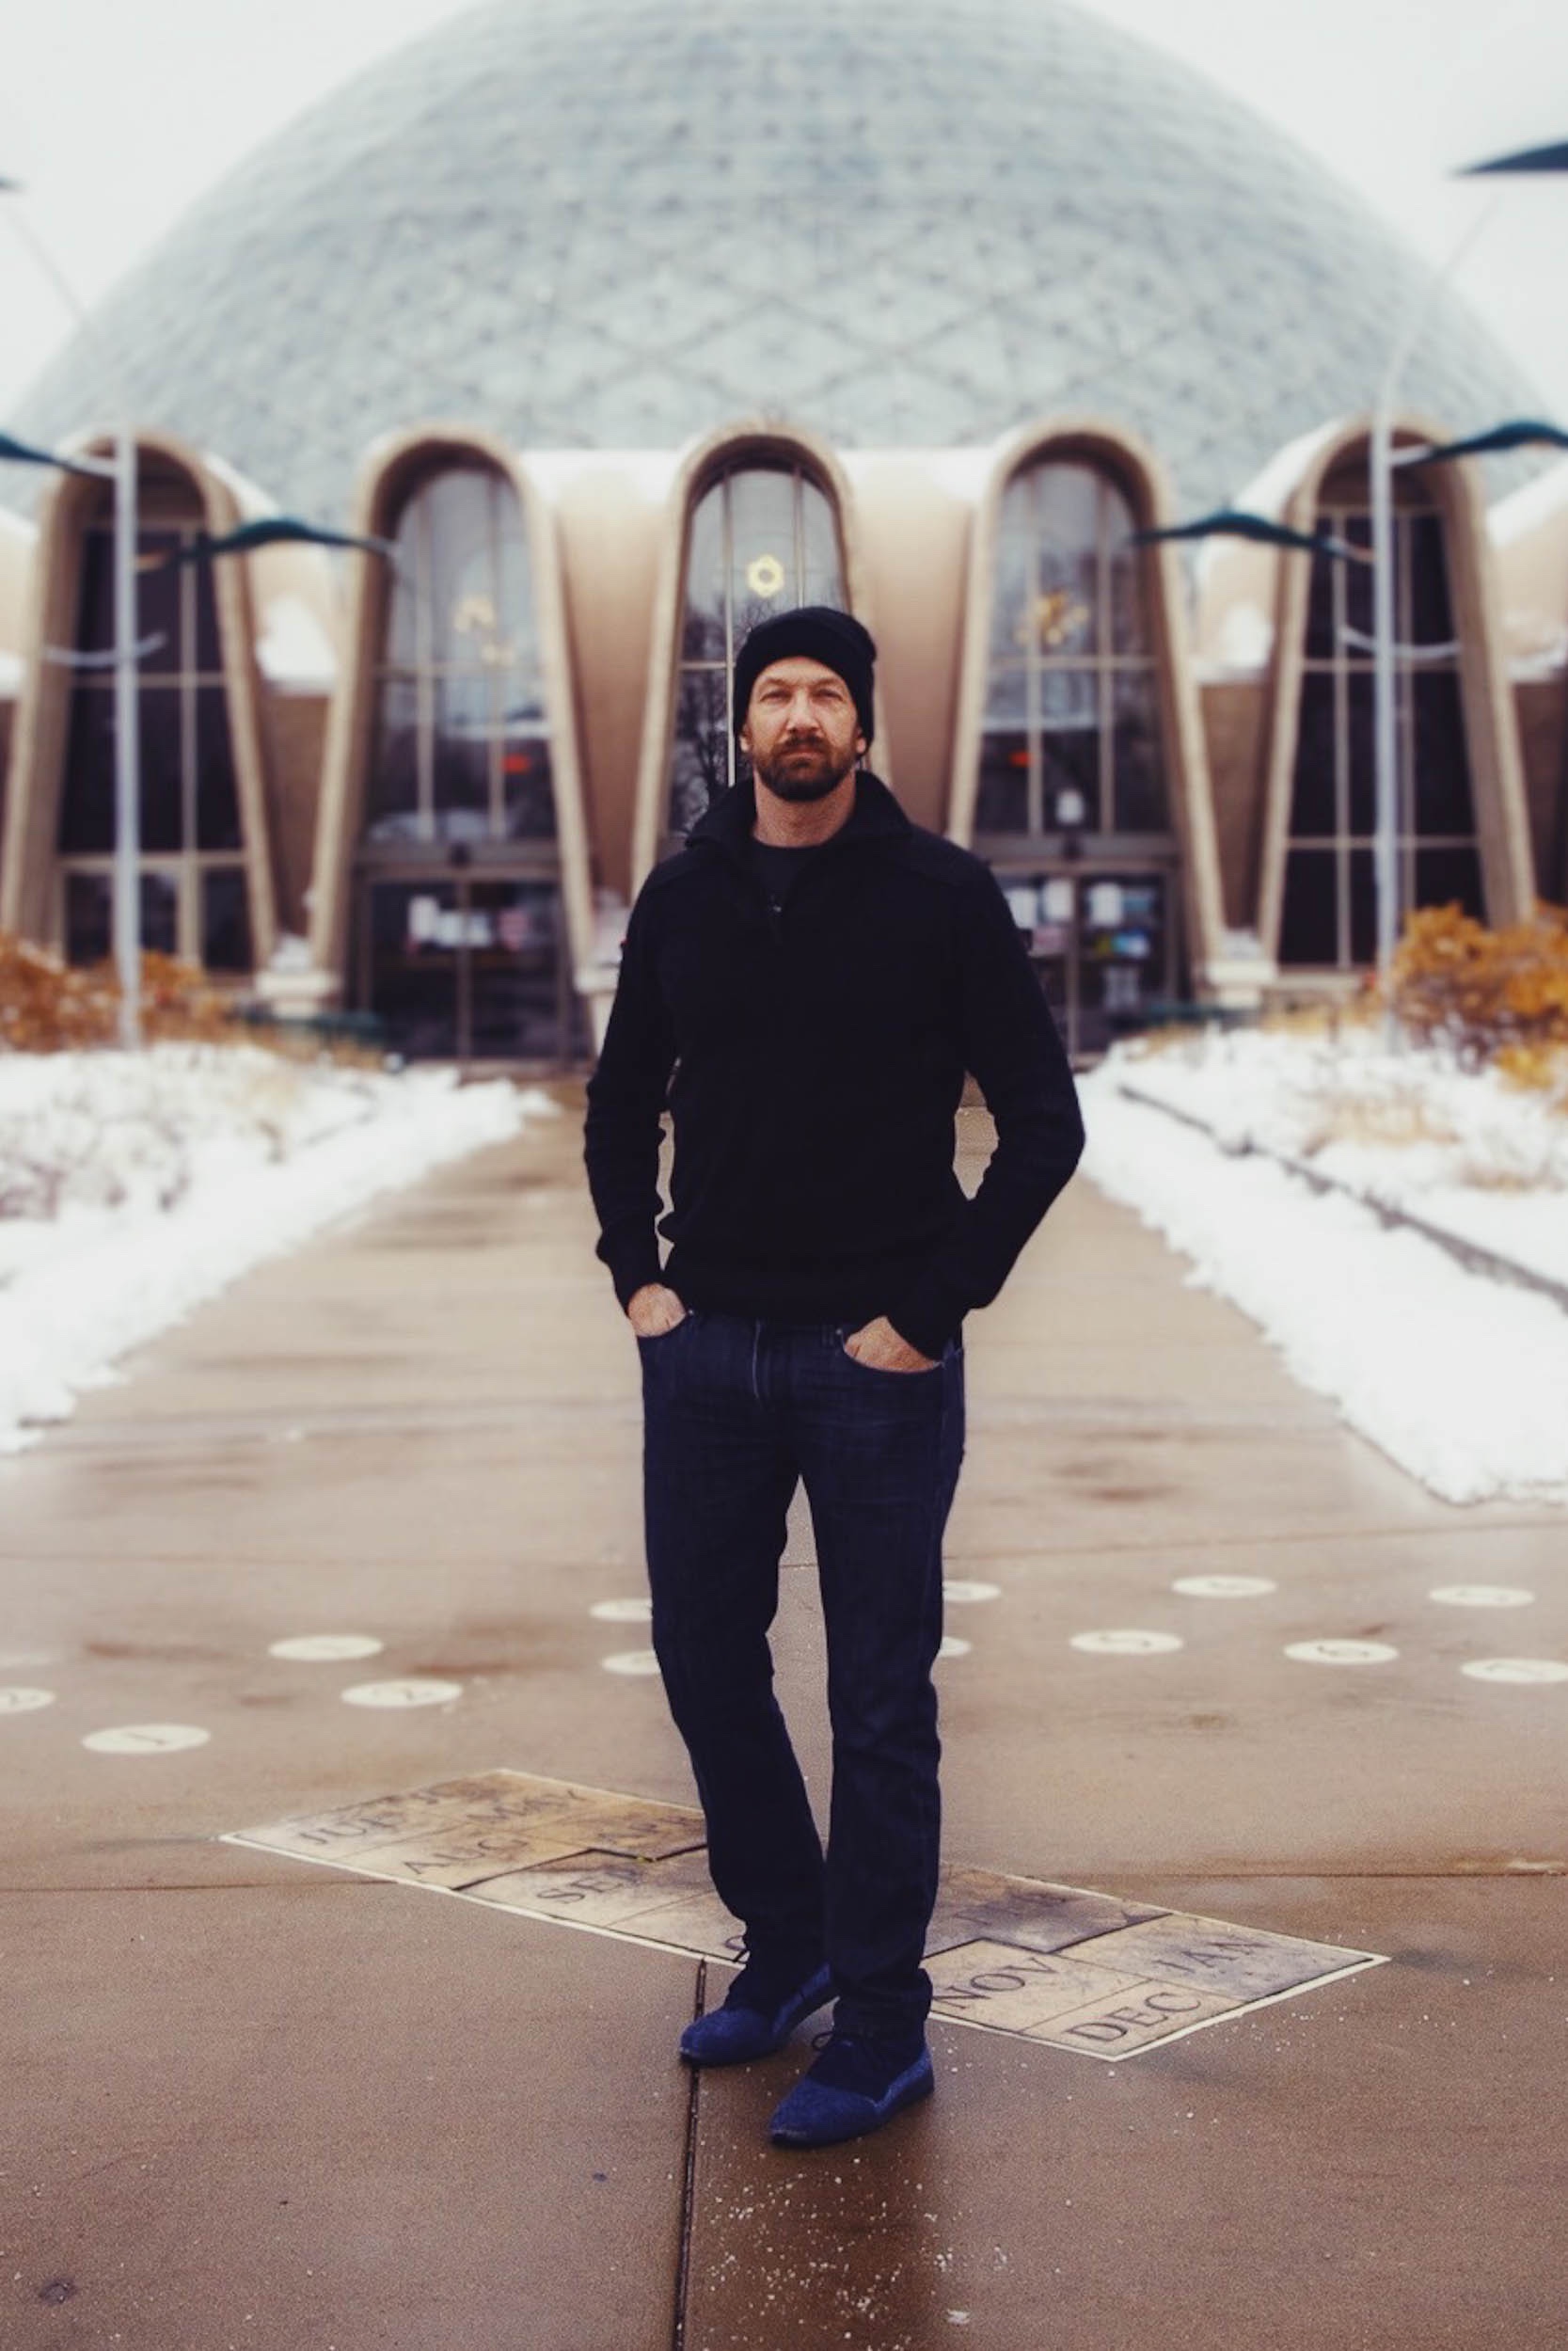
(1361,747)
(1442,802)
(1008,695)
(225,920)
(1321,624)
(1430,620)
(1357,531)
(88,795)
(95,603)
(762,576)
(464,619)
(528,795)
(217,804)
(1129,574)
(703,630)
(1309,930)
(1069,744)
(413,959)
(824,576)
(1003,803)
(1312,796)
(515,970)
(407,587)
(1014,589)
(700,764)
(1363,906)
(1139,772)
(160,914)
(465,732)
(1067,514)
(392,785)
(199,590)
(158,601)
(88,917)
(1447,877)
(160,731)
(519,625)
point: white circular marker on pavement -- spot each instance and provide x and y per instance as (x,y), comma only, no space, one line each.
(1126,1642)
(414,1691)
(325,1649)
(953,1646)
(622,1612)
(1481,1596)
(18,1701)
(1223,1587)
(146,1739)
(1516,1669)
(1341,1652)
(630,1661)
(961,1590)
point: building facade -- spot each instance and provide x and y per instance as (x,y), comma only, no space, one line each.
(424,784)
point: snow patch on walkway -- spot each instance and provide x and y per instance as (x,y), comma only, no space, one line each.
(1461,1380)
(133,1187)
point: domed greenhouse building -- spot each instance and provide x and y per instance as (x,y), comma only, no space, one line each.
(626,322)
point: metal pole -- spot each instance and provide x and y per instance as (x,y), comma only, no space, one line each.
(1384,741)
(127,878)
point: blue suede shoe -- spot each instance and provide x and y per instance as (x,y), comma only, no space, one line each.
(856,2085)
(752,2022)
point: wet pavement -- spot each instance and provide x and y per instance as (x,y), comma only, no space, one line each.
(257,2102)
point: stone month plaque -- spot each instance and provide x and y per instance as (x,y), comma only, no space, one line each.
(1078,1970)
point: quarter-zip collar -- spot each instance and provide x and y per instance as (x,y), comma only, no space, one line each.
(729,824)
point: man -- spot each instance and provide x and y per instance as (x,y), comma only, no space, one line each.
(817,974)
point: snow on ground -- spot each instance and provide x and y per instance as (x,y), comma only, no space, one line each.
(132,1187)
(1461,1379)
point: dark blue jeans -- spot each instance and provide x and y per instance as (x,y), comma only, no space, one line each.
(735,1413)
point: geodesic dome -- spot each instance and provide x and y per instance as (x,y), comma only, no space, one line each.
(617,223)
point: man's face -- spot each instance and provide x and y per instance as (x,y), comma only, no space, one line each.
(802,734)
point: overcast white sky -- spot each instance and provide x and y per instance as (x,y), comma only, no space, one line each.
(114,114)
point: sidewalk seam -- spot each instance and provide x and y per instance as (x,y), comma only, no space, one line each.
(689,2174)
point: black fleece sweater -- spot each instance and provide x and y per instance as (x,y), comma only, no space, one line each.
(812,1060)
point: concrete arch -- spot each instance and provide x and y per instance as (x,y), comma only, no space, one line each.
(70,504)
(393,470)
(702,464)
(1491,727)
(1133,465)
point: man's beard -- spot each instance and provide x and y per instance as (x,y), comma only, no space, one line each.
(801,771)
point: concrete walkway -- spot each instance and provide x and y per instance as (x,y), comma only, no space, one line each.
(251,2103)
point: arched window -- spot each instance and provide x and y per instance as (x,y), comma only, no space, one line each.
(194,896)
(762,539)
(462,744)
(1070,738)
(1071,803)
(1329,911)
(460,938)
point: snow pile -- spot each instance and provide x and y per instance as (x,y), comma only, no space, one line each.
(1466,1150)
(1462,1380)
(133,1186)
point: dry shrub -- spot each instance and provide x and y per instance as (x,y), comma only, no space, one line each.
(48,1006)
(1489,996)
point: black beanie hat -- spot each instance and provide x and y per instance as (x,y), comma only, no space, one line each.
(834,639)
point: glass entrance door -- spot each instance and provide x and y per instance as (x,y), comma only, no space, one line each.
(466,967)
(1102,941)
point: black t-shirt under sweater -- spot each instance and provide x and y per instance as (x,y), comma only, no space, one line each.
(778,870)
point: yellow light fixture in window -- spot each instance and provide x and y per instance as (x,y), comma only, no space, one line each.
(765,576)
(1053,619)
(474,614)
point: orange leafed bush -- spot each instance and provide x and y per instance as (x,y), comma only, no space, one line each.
(48,1006)
(1492,995)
